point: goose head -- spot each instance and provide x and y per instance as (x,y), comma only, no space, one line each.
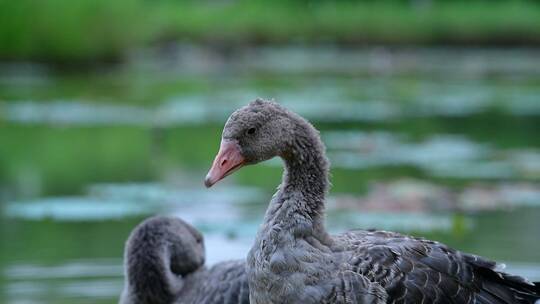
(160,252)
(183,245)
(252,134)
(187,247)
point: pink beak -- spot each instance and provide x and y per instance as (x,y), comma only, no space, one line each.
(228,160)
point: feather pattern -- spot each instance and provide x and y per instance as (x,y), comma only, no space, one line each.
(223,283)
(423,271)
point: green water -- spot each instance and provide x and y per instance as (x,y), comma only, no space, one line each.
(85,156)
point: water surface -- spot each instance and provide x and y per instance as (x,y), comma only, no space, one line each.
(441,143)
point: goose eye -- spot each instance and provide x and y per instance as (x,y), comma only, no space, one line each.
(251,131)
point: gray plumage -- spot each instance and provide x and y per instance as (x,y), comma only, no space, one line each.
(164,264)
(295,260)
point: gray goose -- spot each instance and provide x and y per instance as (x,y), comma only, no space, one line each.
(164,264)
(295,260)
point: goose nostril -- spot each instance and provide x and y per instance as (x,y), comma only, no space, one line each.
(223,162)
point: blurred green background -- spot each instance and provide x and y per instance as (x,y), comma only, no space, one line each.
(111,111)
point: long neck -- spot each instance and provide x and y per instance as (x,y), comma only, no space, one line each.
(148,273)
(306,168)
(305,179)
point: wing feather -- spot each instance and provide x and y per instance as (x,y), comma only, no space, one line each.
(416,270)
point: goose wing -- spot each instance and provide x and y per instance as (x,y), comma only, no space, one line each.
(415,270)
(354,288)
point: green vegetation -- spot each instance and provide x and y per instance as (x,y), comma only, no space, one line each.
(70,30)
(62,160)
(87,30)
